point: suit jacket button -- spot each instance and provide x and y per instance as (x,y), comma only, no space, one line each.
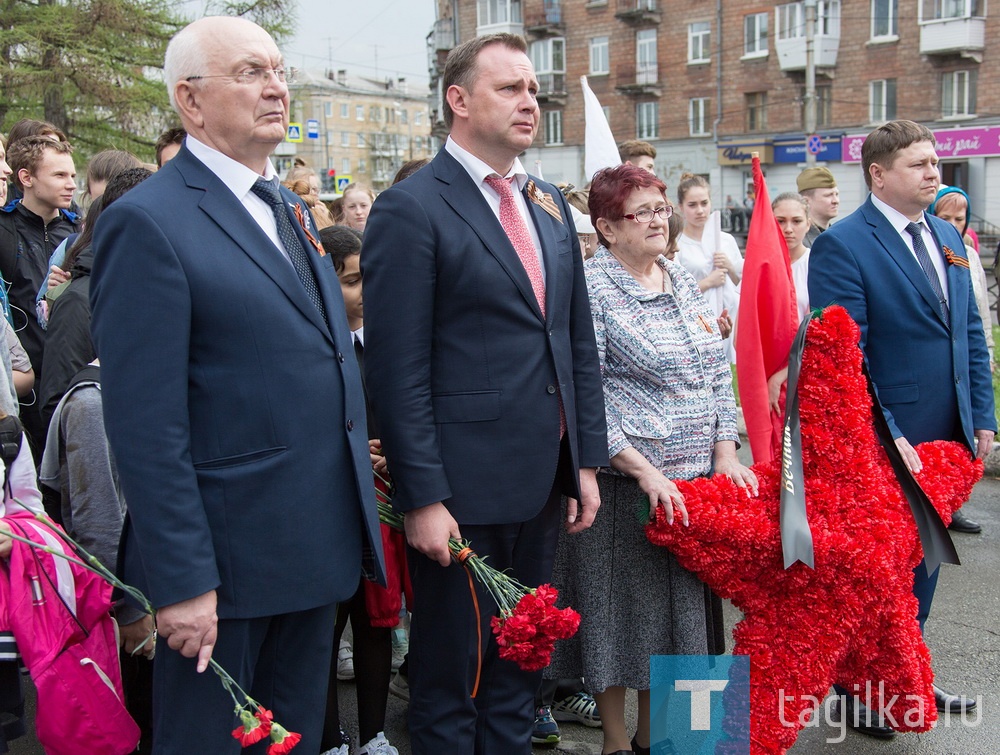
(350,425)
(340,357)
(550,389)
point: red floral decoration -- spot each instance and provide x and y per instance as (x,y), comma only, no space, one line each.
(254,728)
(852,619)
(282,741)
(528,633)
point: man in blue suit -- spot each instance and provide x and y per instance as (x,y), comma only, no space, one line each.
(903,276)
(233,404)
(482,369)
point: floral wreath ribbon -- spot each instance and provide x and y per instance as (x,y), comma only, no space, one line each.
(796,537)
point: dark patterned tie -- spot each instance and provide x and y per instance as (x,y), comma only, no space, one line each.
(267,191)
(914,229)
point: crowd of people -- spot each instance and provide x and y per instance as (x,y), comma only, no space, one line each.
(212,400)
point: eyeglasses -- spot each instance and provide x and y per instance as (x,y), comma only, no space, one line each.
(646,216)
(253,76)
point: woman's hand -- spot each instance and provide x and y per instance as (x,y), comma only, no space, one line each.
(57,276)
(725,324)
(713,280)
(726,463)
(721,261)
(774,384)
(662,492)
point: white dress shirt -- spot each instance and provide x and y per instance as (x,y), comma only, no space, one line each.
(899,221)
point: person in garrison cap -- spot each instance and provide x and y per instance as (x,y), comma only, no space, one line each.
(819,187)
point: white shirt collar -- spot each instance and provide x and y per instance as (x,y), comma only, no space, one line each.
(480,170)
(359,335)
(896,219)
(237,176)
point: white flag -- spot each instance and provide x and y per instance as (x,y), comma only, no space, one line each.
(599,147)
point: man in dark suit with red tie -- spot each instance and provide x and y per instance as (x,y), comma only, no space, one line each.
(481,366)
(904,277)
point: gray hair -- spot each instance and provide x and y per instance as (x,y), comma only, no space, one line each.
(184,58)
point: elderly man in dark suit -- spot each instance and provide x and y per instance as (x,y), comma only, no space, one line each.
(233,403)
(903,276)
(482,368)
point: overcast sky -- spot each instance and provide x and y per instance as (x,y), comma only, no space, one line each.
(367,37)
(376,38)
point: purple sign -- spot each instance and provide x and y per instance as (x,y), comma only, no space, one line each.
(951,142)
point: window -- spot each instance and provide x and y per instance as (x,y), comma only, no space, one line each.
(881,100)
(698,41)
(755,35)
(359,112)
(418,143)
(647,120)
(792,19)
(345,166)
(935,9)
(328,109)
(404,116)
(824,102)
(418,118)
(329,138)
(756,111)
(345,138)
(645,57)
(698,116)
(549,59)
(958,94)
(374,113)
(361,165)
(361,140)
(885,18)
(553,127)
(345,110)
(599,61)
(489,12)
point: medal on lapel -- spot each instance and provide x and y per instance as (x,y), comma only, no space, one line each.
(954,259)
(304,222)
(543,200)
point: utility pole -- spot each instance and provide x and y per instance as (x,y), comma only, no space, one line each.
(810,6)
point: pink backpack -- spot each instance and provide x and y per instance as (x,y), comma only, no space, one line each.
(60,616)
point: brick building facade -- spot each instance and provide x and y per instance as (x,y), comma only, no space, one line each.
(663,72)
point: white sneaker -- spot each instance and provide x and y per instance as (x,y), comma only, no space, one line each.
(345,662)
(342,750)
(400,647)
(378,745)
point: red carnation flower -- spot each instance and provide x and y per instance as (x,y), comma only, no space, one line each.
(282,740)
(254,728)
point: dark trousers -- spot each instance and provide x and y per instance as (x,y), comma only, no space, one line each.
(283,662)
(444,650)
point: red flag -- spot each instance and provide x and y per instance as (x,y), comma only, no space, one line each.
(767,321)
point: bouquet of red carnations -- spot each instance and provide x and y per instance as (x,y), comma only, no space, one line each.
(528,623)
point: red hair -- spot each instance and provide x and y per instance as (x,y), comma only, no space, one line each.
(611,188)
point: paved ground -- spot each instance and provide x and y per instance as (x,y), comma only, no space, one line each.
(963,634)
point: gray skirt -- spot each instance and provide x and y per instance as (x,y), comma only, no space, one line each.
(633,598)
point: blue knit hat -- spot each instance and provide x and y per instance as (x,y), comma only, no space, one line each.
(952,190)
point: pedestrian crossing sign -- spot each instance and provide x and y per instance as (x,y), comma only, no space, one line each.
(294,132)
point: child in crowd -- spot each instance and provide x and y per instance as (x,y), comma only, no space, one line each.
(373,610)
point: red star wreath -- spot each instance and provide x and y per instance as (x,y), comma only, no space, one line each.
(852,619)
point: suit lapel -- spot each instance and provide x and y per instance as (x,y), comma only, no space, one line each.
(467,200)
(229,214)
(543,224)
(958,280)
(896,248)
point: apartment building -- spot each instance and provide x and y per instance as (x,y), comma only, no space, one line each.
(708,82)
(360,128)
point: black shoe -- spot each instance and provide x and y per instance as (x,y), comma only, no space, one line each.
(961,523)
(858,716)
(946,701)
(637,749)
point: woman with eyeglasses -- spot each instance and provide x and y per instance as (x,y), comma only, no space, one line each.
(670,411)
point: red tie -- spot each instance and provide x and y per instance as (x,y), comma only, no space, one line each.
(517,231)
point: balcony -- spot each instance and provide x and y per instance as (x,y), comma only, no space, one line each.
(552,88)
(638,12)
(636,81)
(547,22)
(442,36)
(953,36)
(792,52)
(499,17)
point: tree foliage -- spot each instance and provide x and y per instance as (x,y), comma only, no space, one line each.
(94,67)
